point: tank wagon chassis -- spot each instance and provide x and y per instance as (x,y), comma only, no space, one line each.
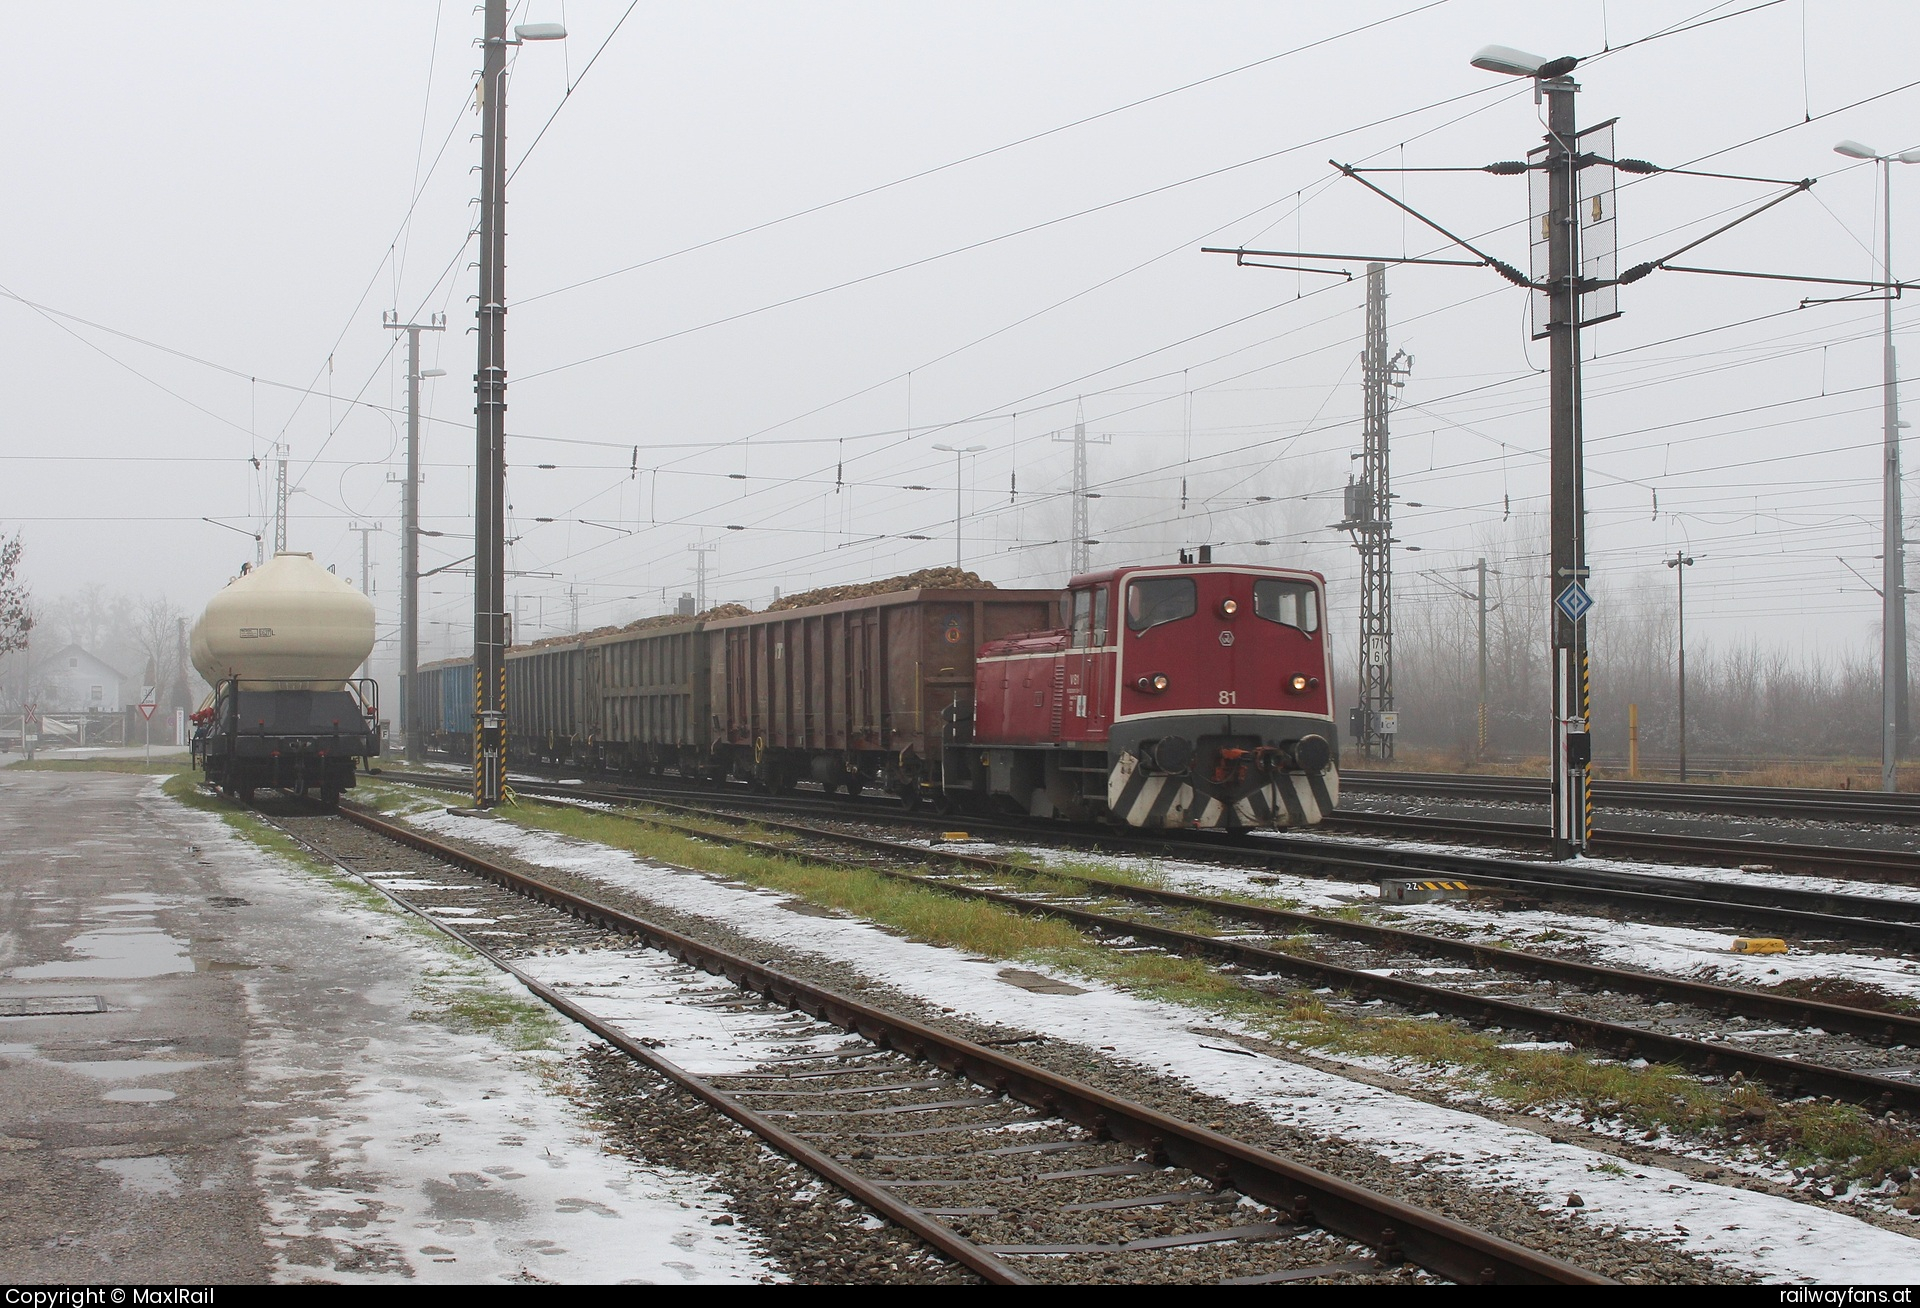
(1188,695)
(297,740)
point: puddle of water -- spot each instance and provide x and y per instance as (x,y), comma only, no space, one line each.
(115,952)
(134,901)
(153,1174)
(126,1069)
(137,1094)
(51,1005)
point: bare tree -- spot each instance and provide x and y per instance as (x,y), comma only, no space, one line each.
(156,634)
(16,610)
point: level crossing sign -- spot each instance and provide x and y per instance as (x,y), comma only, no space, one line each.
(1574,602)
(147,704)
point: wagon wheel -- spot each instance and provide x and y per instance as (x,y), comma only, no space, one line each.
(910,801)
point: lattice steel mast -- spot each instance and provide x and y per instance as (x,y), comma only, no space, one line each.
(1369,520)
(1080,560)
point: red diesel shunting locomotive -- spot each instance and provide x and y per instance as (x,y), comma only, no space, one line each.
(1188,695)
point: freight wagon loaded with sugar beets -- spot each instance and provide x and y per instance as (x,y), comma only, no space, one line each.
(1193,694)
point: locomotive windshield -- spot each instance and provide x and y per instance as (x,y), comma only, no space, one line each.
(1155,600)
(1289,603)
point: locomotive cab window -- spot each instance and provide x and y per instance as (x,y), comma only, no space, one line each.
(1100,632)
(1289,603)
(1152,601)
(1082,617)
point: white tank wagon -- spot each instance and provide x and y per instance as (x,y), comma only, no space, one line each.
(288,624)
(279,645)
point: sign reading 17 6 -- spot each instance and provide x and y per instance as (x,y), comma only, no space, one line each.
(1574,602)
(147,703)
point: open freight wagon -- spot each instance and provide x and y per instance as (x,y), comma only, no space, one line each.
(857,693)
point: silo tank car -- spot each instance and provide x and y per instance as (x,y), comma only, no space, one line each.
(279,645)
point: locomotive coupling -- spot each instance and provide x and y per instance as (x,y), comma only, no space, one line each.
(1174,756)
(1307,754)
(1170,754)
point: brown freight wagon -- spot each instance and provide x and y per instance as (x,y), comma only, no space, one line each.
(644,699)
(854,694)
(543,701)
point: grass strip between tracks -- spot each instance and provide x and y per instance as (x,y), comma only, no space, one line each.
(164,767)
(1740,1119)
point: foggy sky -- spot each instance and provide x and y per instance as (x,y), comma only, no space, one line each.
(233,185)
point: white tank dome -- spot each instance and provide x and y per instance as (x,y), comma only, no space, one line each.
(288,622)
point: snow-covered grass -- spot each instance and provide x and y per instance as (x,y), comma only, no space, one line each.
(1686,951)
(1481,1066)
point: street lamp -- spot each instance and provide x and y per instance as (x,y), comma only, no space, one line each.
(958,452)
(1572,747)
(1518,63)
(1893,563)
(1679,562)
(490,633)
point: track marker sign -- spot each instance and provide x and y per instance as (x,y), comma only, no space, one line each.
(1574,602)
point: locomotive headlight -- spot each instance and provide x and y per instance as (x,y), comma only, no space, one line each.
(1300,683)
(1229,607)
(1155,684)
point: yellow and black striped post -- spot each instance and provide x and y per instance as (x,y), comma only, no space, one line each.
(1586,768)
(489,744)
(479,706)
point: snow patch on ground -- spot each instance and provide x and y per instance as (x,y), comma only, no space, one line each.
(1646,946)
(392,1147)
(1767,1235)
(1690,871)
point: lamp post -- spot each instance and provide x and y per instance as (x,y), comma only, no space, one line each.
(490,413)
(1571,745)
(958,452)
(1679,563)
(1893,563)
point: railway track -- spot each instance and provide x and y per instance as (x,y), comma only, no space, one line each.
(1894,867)
(1741,907)
(1488,1000)
(1005,1167)
(1757,801)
